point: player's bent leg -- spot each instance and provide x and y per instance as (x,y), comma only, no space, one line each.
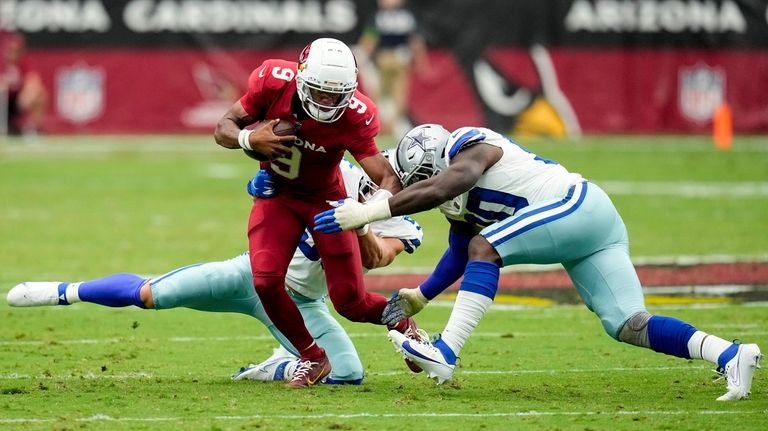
(328,333)
(609,286)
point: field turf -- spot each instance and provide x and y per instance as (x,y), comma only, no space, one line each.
(76,208)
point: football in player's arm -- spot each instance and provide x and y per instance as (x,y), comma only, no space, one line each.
(509,206)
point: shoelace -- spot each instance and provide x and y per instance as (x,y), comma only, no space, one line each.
(303,369)
(421,335)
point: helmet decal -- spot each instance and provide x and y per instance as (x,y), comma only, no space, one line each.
(303,57)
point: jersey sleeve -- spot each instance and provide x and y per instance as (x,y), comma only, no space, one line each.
(404,228)
(263,86)
(363,123)
(463,138)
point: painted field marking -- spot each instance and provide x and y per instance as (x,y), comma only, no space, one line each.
(528,413)
(149,375)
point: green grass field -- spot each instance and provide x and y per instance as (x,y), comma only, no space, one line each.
(75,208)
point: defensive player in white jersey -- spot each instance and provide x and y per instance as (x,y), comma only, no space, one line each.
(226,286)
(509,206)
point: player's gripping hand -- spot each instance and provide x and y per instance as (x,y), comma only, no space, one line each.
(270,140)
(262,185)
(350,214)
(402,305)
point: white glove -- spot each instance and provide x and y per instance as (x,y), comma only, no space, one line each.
(350,214)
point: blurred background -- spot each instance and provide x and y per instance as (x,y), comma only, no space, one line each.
(110,107)
(544,67)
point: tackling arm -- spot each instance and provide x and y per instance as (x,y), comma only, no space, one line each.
(465,169)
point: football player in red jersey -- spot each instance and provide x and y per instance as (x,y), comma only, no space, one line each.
(319,92)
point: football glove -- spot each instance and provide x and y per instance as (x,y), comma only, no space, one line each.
(262,185)
(350,214)
(403,305)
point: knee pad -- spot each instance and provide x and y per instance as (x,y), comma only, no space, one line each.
(635,330)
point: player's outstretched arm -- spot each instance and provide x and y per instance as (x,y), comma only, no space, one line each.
(466,168)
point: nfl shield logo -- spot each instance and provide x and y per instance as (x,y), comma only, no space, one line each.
(80,93)
(702,90)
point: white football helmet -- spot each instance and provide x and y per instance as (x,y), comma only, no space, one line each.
(421,153)
(327,79)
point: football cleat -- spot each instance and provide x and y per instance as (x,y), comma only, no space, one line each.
(35,294)
(310,373)
(279,366)
(437,359)
(739,372)
(407,327)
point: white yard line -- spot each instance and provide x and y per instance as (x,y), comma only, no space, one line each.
(512,414)
(149,375)
(270,338)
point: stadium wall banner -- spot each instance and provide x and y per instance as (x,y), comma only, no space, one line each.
(561,67)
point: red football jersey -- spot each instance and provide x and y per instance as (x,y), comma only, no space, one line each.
(312,169)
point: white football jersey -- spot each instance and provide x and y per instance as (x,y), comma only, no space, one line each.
(305,272)
(518,179)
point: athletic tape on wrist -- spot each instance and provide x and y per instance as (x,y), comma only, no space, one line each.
(378,210)
(243,139)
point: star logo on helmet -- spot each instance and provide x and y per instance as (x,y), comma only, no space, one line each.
(419,139)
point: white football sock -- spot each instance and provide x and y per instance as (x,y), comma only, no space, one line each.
(468,309)
(706,346)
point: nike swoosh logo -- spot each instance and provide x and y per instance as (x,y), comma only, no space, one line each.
(312,382)
(368,121)
(407,346)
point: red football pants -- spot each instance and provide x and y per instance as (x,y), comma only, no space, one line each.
(274,230)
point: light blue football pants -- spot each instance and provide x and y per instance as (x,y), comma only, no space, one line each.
(228,287)
(585,233)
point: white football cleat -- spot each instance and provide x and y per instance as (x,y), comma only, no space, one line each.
(34,294)
(280,366)
(430,358)
(739,372)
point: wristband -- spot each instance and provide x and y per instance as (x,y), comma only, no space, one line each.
(243,139)
(380,195)
(378,210)
(362,230)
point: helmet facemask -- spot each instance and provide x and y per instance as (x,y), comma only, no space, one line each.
(326,80)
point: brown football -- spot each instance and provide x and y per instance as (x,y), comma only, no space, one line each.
(284,128)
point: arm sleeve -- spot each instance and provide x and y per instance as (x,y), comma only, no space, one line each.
(449,268)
